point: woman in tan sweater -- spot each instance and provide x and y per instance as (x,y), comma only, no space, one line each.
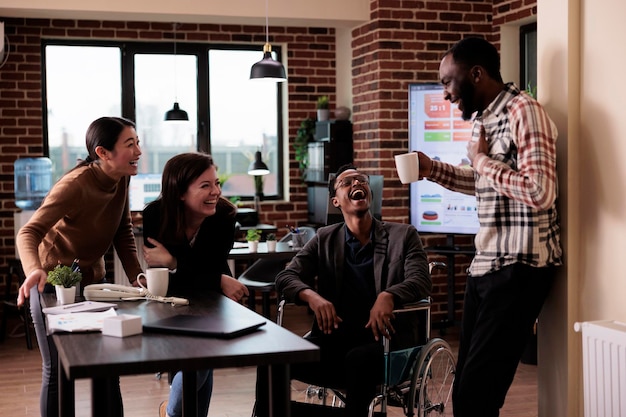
(83,214)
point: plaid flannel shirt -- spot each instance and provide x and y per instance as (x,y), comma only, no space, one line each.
(515,185)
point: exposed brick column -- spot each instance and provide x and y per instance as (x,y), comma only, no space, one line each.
(402,43)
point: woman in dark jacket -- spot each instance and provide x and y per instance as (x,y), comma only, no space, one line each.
(190,229)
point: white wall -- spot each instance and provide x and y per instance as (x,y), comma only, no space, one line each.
(344,13)
(581,58)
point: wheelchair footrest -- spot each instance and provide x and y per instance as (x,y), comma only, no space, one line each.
(299,409)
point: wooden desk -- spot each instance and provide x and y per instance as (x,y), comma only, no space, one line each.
(94,356)
(283,251)
(265,229)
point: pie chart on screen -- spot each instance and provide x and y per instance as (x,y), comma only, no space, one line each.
(430,215)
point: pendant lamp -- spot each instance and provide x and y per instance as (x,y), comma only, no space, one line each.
(258,167)
(176,113)
(268,69)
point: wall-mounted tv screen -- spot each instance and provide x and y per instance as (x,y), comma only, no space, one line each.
(437,129)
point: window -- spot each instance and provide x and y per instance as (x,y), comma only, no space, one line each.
(528,56)
(242,121)
(73,100)
(230,116)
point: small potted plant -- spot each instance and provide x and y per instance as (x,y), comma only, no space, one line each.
(323,111)
(253,236)
(271,242)
(64,279)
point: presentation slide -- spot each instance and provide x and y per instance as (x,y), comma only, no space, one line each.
(437,129)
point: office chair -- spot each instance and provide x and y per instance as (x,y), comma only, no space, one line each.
(261,274)
(9,302)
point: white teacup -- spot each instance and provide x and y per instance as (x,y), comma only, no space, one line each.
(157,280)
(408,167)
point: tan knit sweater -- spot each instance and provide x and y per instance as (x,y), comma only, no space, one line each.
(85,212)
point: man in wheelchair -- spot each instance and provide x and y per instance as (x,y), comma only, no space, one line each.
(352,275)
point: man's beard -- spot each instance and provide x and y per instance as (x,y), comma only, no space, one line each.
(467,98)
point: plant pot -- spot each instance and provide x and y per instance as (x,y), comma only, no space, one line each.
(323,115)
(271,246)
(65,295)
(253,246)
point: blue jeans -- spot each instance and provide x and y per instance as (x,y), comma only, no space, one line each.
(204,381)
(49,400)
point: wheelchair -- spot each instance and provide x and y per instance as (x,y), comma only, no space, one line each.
(417,379)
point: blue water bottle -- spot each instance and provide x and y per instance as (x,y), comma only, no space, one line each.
(33,179)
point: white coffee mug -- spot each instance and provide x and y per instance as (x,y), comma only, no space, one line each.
(408,167)
(157,280)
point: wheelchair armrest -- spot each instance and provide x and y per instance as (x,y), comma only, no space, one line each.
(423,304)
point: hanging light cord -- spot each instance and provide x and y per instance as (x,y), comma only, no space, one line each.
(267,26)
(175,75)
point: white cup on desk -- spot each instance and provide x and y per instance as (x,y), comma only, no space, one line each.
(157,280)
(408,167)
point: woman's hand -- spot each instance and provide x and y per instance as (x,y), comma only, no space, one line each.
(232,288)
(158,256)
(37,277)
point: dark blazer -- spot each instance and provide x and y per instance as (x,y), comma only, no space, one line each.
(400,264)
(199,267)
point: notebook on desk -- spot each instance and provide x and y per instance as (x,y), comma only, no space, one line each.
(220,327)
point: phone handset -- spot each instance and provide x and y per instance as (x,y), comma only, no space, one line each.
(117,292)
(111,292)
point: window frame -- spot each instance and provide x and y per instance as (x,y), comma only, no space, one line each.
(525,71)
(201,50)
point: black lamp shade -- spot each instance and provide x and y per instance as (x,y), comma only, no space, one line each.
(176,113)
(258,167)
(268,68)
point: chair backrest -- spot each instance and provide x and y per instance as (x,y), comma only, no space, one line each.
(333,214)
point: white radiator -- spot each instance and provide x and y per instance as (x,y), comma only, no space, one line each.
(604,368)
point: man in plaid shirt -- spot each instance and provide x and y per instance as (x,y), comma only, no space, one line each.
(513,175)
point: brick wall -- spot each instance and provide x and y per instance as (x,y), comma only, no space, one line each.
(402,43)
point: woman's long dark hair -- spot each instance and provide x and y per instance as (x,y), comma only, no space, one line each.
(103,132)
(179,172)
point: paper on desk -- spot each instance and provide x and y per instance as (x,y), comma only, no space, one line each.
(81,307)
(78,322)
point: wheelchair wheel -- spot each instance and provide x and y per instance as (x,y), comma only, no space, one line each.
(431,387)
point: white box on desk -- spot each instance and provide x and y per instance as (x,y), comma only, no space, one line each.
(122,325)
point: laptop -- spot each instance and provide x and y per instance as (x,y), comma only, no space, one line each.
(208,326)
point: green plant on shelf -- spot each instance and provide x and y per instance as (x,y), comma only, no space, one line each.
(270,237)
(253,235)
(300,144)
(532,91)
(323,102)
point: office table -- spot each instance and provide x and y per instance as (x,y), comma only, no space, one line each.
(283,251)
(99,357)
